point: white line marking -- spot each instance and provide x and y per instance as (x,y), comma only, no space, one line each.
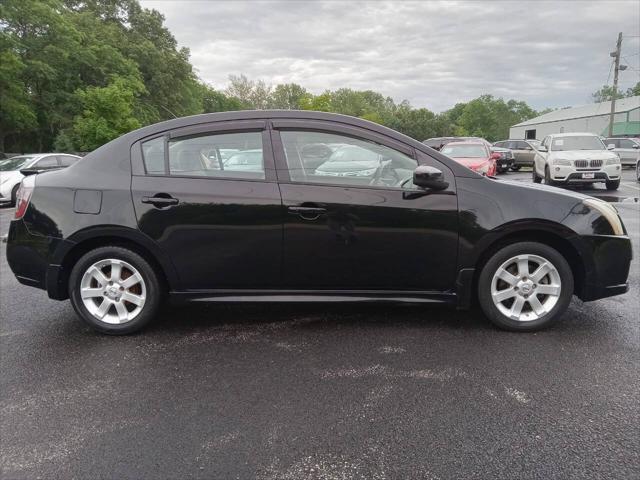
(629,185)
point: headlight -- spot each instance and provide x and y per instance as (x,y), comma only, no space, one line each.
(613,161)
(482,168)
(608,211)
(561,162)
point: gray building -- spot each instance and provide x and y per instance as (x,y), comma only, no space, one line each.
(593,118)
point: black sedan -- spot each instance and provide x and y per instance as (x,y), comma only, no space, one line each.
(149,216)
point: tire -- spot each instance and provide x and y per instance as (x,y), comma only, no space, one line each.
(612,185)
(120,316)
(557,284)
(502,170)
(14,195)
(547,177)
(536,177)
(515,168)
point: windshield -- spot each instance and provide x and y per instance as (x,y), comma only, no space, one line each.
(353,153)
(464,151)
(587,142)
(15,163)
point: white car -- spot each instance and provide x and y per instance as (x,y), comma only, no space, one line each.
(569,158)
(10,176)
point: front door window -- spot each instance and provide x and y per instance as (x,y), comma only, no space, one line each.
(332,159)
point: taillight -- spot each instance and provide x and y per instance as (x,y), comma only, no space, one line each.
(23,196)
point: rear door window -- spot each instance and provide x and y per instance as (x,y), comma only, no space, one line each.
(225,155)
(153,156)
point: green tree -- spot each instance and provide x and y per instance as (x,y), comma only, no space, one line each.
(16,110)
(107,113)
(288,96)
(215,101)
(605,93)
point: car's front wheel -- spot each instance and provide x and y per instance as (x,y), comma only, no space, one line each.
(114,290)
(536,177)
(515,168)
(525,286)
(612,185)
(547,177)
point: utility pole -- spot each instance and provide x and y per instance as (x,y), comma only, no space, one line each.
(614,94)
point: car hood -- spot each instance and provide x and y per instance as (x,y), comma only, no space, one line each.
(584,154)
(545,188)
(470,161)
(340,167)
(10,175)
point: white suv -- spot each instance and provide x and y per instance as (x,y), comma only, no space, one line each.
(565,158)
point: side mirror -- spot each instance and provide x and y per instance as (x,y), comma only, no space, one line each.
(429,177)
(636,146)
(30,171)
(542,148)
(611,146)
(496,155)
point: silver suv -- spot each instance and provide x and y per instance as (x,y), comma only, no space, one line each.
(628,149)
(523,151)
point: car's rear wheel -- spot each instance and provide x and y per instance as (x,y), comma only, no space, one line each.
(114,290)
(525,286)
(612,185)
(536,177)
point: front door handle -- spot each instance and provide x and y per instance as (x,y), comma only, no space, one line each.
(307,213)
(160,201)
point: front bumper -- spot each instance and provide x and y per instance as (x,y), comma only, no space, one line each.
(569,174)
(504,163)
(607,262)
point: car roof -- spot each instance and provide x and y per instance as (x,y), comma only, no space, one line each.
(574,134)
(466,142)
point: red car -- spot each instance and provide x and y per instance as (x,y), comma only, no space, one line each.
(473,154)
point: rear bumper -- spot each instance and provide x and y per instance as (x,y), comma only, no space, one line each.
(29,257)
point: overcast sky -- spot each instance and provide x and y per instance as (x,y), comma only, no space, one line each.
(434,54)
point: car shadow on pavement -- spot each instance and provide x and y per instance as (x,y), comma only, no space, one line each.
(197,317)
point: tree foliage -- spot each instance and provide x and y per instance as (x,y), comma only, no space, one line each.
(605,93)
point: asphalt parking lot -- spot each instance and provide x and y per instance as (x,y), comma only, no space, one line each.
(317,391)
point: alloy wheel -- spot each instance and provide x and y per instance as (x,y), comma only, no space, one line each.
(526,287)
(113,291)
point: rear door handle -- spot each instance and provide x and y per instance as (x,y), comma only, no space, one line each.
(307,213)
(160,201)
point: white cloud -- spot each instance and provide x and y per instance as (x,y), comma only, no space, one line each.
(433,54)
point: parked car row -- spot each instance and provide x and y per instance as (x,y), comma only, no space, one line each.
(13,170)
